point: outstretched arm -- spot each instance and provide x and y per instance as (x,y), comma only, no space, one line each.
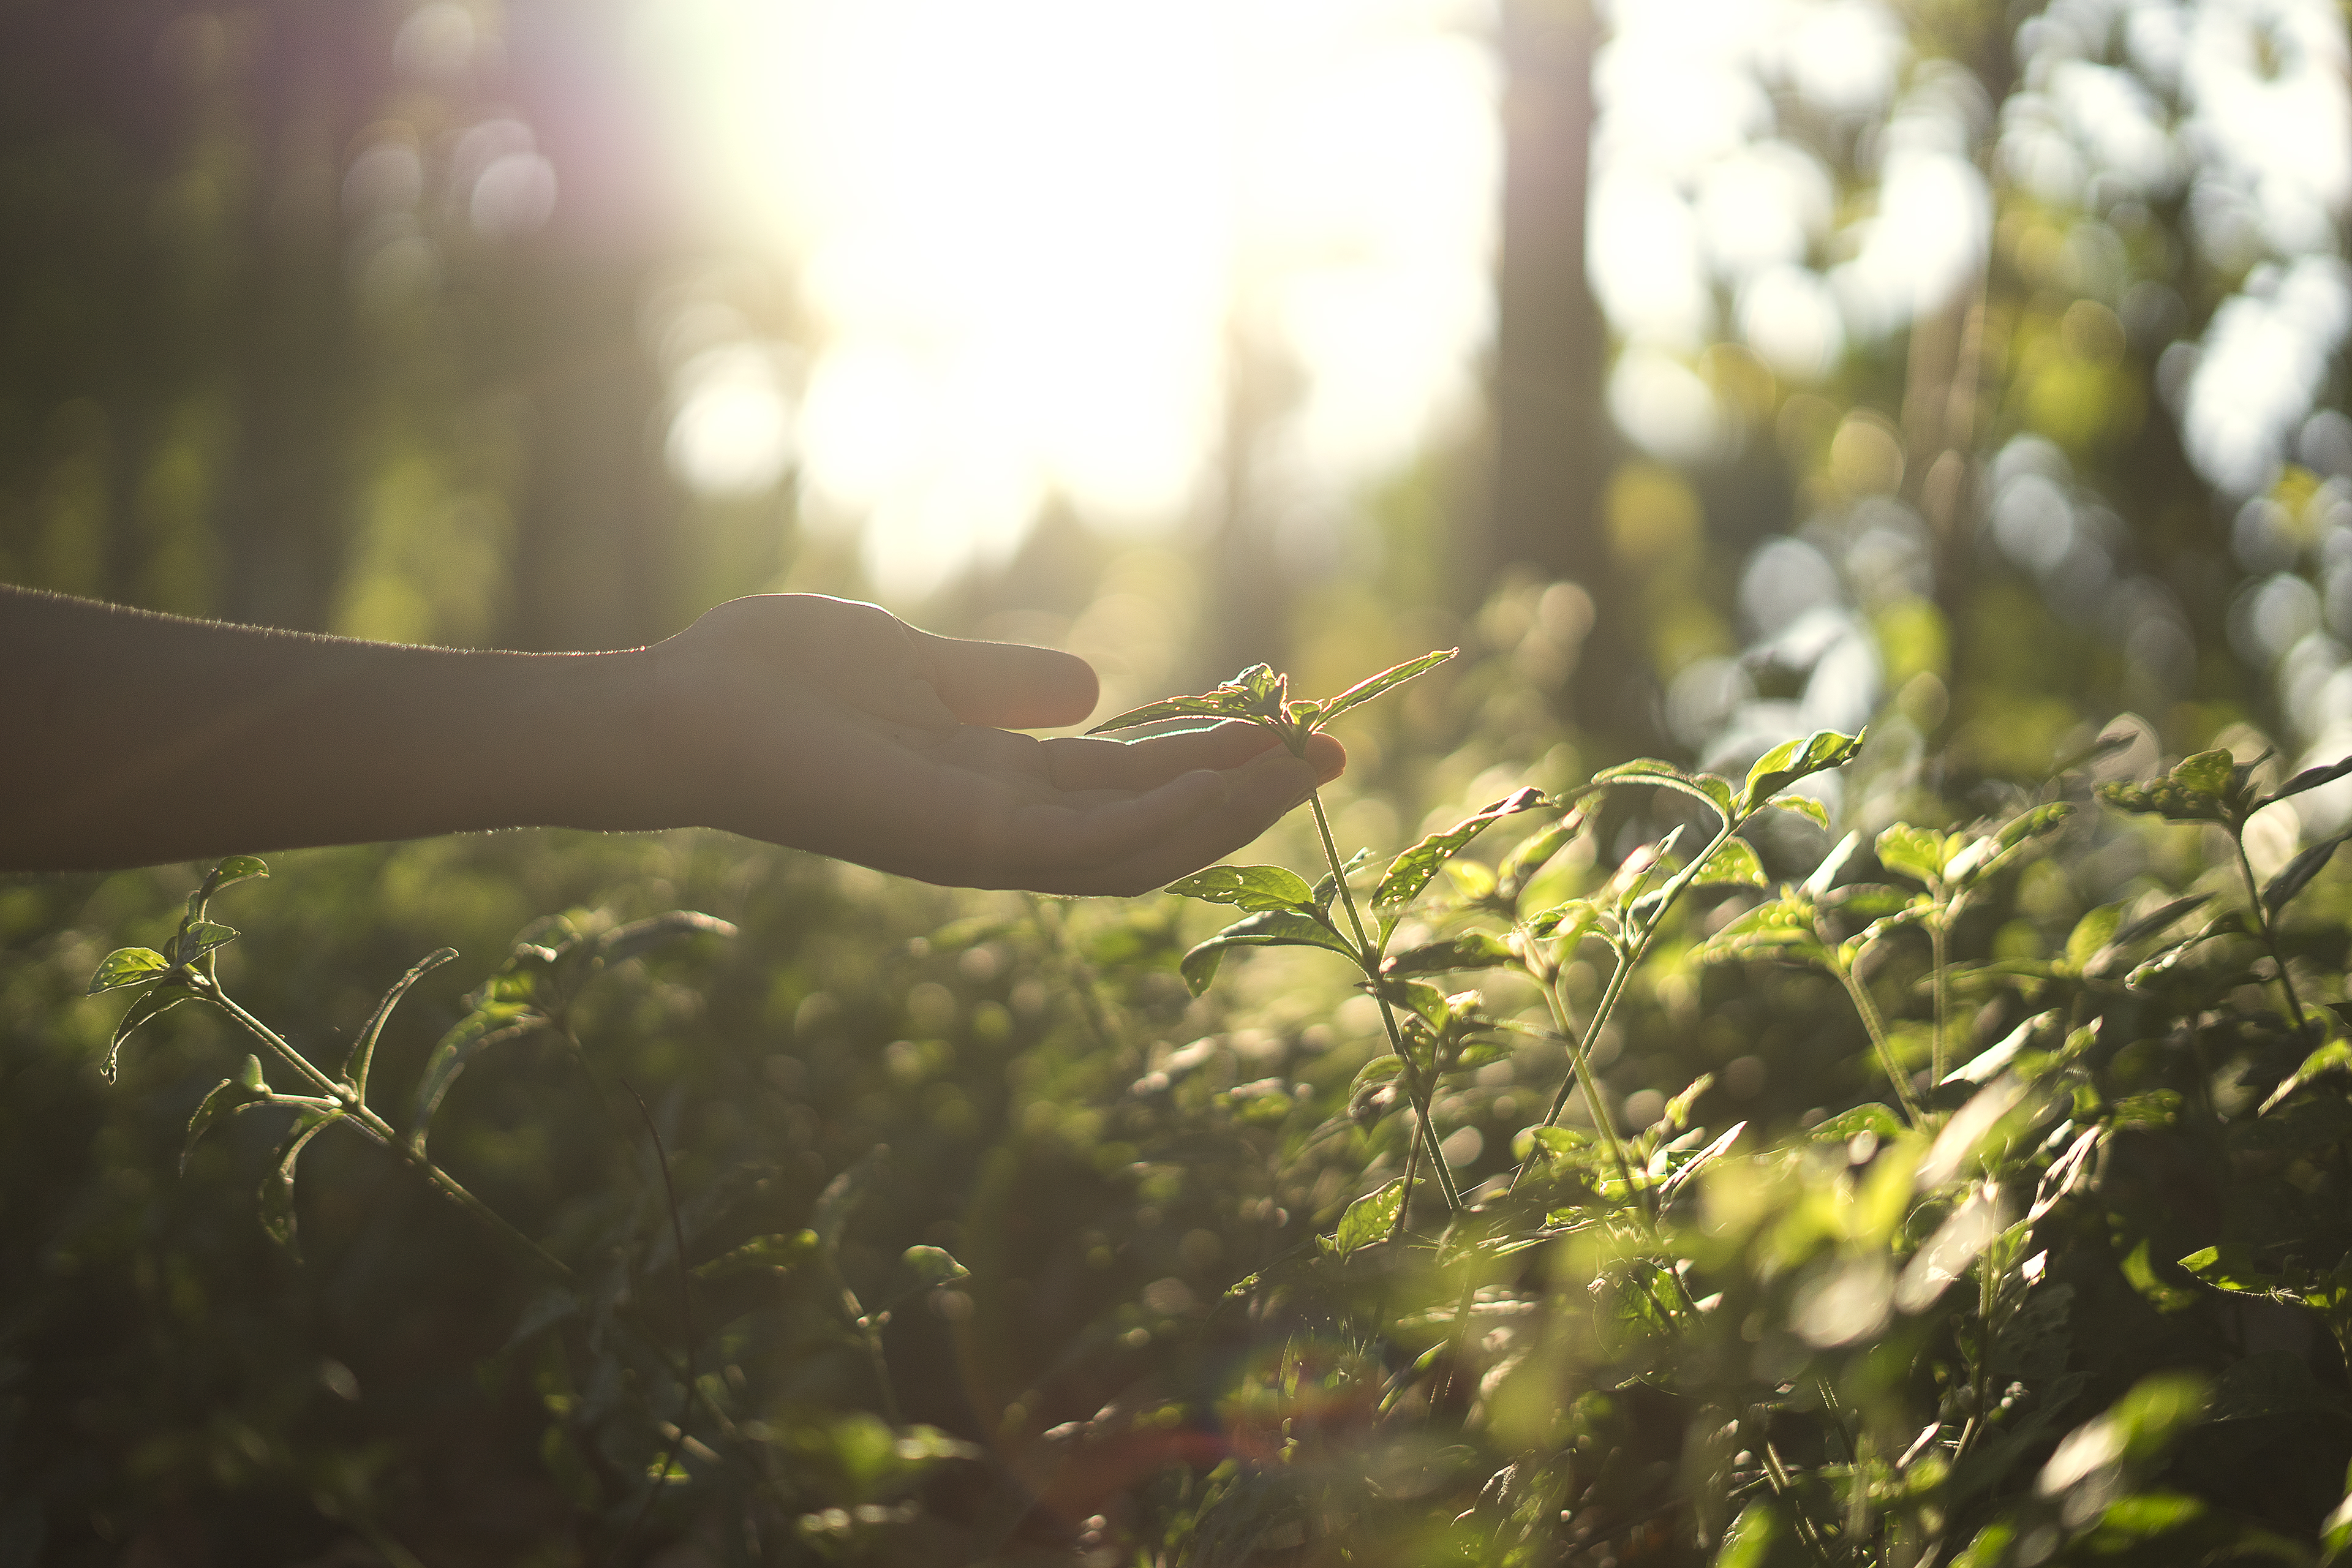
(129,738)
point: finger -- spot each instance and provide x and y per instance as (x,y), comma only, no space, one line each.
(1258,794)
(1052,847)
(1011,685)
(1097,762)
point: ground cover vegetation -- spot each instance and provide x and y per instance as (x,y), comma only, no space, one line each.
(1960,1193)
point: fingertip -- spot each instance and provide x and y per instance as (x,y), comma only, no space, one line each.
(1326,756)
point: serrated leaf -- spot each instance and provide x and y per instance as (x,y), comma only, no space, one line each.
(774,1254)
(2312,778)
(277,1197)
(155,999)
(1368,1220)
(1274,929)
(355,1066)
(1733,864)
(126,966)
(1787,762)
(1464,949)
(1256,889)
(2299,873)
(1411,871)
(655,931)
(933,1266)
(1803,806)
(1363,692)
(227,1097)
(1917,853)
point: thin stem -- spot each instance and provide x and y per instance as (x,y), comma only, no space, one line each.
(1370,958)
(686,1313)
(1580,1072)
(2268,930)
(1873,1021)
(1938,941)
(268,1037)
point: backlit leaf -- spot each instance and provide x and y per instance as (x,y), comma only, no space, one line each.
(762,1255)
(1363,692)
(1218,705)
(1464,949)
(933,1266)
(2091,933)
(1277,928)
(227,1097)
(656,930)
(355,1066)
(1734,863)
(1803,806)
(2312,778)
(1917,853)
(1785,764)
(197,938)
(227,873)
(2333,1057)
(1533,852)
(2299,872)
(1256,889)
(153,1000)
(1368,1220)
(1411,871)
(126,966)
(476,1032)
(2207,773)
(1713,792)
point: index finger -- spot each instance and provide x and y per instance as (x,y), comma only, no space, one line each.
(1011,686)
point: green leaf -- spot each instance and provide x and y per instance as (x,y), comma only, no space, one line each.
(2156,920)
(762,1255)
(1734,863)
(484,1028)
(1216,705)
(227,1097)
(656,930)
(1781,927)
(355,1066)
(1534,852)
(197,938)
(1691,1165)
(933,1266)
(1562,1144)
(2299,872)
(1877,1119)
(2312,778)
(2333,1057)
(1803,806)
(1276,927)
(2091,933)
(1761,1537)
(1677,1112)
(1379,1070)
(1257,888)
(226,874)
(1785,764)
(1568,920)
(126,966)
(1424,1000)
(1368,1220)
(1327,886)
(155,999)
(1713,792)
(277,1187)
(1917,853)
(1411,871)
(1363,692)
(1464,949)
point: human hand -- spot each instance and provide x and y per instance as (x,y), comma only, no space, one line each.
(835,727)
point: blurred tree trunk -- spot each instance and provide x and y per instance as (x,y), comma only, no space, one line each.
(1553,443)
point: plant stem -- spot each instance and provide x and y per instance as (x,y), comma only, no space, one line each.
(1369,958)
(2269,931)
(1938,943)
(1876,1025)
(1579,1072)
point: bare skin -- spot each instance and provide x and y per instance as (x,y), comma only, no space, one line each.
(132,738)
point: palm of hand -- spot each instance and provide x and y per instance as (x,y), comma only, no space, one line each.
(835,727)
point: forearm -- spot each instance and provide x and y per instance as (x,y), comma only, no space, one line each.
(131,739)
